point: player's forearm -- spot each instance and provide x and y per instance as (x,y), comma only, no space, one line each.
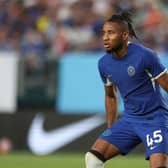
(111,110)
(166,88)
(166,83)
(163,81)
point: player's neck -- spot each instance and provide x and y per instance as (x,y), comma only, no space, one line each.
(121,52)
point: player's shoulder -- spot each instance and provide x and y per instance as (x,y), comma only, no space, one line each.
(103,59)
(138,47)
(143,52)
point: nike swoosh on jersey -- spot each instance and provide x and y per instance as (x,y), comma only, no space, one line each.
(43,142)
(152,147)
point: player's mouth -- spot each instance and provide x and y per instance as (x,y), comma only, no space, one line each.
(107,45)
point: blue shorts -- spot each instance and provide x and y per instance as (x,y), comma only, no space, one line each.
(126,135)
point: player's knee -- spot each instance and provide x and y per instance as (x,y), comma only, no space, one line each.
(94,159)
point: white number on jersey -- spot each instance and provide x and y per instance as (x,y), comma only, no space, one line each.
(155,138)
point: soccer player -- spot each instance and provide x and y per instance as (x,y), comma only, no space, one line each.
(137,73)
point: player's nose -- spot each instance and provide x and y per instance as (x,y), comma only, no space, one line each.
(105,37)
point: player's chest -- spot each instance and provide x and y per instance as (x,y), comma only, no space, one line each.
(130,71)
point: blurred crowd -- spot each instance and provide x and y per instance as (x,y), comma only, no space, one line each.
(53,27)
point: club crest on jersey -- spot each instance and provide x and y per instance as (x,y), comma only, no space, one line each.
(131,71)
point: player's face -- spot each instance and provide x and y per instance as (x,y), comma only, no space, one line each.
(112,37)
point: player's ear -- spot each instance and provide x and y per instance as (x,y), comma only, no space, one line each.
(125,35)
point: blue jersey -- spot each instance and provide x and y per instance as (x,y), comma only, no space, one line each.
(135,76)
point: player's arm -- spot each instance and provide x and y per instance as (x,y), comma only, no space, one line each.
(111,104)
(158,71)
(163,81)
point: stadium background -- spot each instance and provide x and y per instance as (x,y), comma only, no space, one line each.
(48,65)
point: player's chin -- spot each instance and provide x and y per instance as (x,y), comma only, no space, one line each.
(108,50)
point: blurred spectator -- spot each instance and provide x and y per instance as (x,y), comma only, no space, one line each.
(5,41)
(33,49)
(153,16)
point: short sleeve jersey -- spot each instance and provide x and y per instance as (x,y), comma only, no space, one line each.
(135,76)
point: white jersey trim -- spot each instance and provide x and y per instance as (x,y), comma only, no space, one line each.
(152,79)
(108,82)
(161,74)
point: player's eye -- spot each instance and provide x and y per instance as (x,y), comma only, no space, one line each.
(111,32)
(102,32)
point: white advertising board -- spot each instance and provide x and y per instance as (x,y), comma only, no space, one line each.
(8,81)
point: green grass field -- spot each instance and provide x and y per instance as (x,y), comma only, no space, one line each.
(66,160)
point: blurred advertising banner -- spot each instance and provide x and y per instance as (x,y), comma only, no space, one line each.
(43,142)
(44,132)
(8,81)
(79,88)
